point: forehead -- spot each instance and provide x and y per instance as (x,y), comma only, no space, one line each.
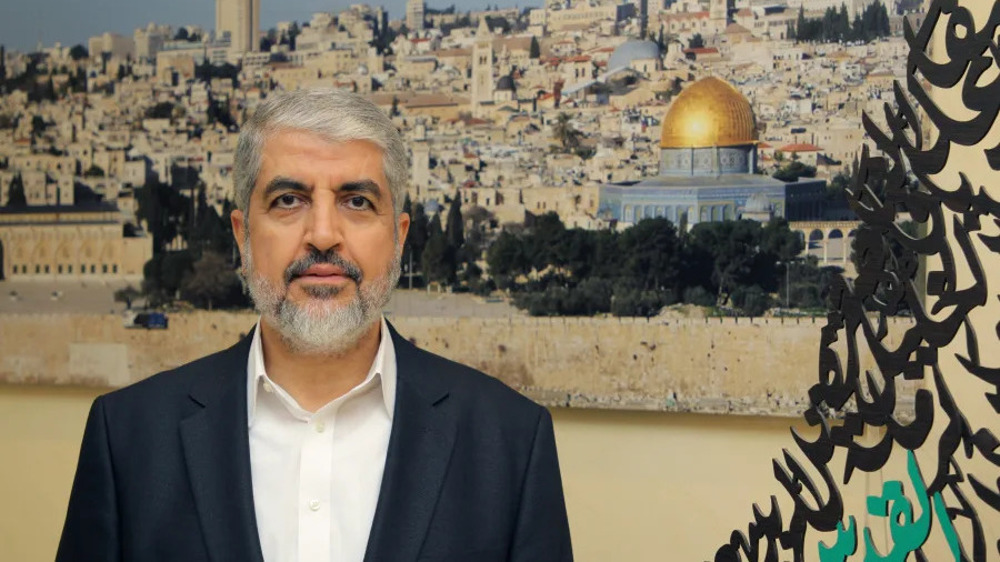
(287,142)
(308,155)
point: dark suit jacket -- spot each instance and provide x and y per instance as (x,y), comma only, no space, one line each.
(164,474)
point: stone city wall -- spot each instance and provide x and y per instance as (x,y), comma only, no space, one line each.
(747,366)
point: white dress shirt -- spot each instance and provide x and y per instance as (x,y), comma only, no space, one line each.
(316,476)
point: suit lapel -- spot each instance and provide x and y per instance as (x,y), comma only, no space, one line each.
(217,453)
(420,446)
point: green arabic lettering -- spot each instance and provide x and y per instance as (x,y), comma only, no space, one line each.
(908,534)
(846,545)
(947,527)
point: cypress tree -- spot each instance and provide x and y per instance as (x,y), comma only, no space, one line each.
(456,230)
(16,197)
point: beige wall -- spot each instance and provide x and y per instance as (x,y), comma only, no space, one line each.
(639,485)
(679,364)
(40,431)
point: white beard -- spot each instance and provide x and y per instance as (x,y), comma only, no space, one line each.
(320,326)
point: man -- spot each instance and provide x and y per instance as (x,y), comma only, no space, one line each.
(324,435)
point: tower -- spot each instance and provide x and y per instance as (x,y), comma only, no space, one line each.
(482,65)
(415,14)
(643,19)
(718,12)
(241,20)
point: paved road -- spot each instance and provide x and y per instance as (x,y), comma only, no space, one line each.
(92,297)
(97,297)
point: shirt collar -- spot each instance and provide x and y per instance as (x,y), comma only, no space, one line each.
(383,370)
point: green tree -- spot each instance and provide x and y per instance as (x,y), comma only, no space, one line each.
(752,300)
(634,302)
(212,281)
(800,23)
(696,42)
(38,126)
(534,51)
(651,251)
(163,275)
(127,295)
(564,131)
(416,237)
(732,247)
(162,110)
(78,52)
(506,259)
(455,229)
(544,246)
(164,210)
(16,198)
(438,259)
(794,170)
(209,232)
(779,241)
(843,23)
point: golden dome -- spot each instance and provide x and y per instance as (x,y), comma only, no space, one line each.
(710,112)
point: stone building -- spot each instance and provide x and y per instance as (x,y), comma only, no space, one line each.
(708,164)
(63,243)
(240,20)
(641,55)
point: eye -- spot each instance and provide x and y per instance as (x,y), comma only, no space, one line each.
(359,203)
(287,201)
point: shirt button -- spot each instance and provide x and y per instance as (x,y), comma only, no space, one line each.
(314,505)
(320,426)
(268,387)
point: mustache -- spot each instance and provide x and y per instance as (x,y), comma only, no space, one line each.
(299,267)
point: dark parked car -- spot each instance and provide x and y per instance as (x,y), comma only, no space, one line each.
(150,320)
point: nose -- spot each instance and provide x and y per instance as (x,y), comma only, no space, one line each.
(323,226)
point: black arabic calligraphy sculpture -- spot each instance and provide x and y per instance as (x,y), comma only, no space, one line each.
(904,179)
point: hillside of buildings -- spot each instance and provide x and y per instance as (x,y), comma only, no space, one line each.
(565,127)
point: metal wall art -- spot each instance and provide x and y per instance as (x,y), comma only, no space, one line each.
(847,406)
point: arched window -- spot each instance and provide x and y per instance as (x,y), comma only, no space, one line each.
(815,239)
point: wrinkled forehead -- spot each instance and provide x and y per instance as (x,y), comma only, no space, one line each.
(298,147)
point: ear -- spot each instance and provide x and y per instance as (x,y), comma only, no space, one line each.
(238,220)
(402,228)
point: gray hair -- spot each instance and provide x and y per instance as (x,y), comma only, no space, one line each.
(335,115)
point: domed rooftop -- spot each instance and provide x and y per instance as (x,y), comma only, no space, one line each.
(634,49)
(505,83)
(710,112)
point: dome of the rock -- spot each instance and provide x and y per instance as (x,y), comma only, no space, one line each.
(710,112)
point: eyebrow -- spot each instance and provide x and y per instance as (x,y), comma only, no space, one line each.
(362,186)
(281,183)
(284,184)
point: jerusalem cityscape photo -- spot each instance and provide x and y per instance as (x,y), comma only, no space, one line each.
(739,249)
(603,175)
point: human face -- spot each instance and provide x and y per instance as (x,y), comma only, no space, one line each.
(320,242)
